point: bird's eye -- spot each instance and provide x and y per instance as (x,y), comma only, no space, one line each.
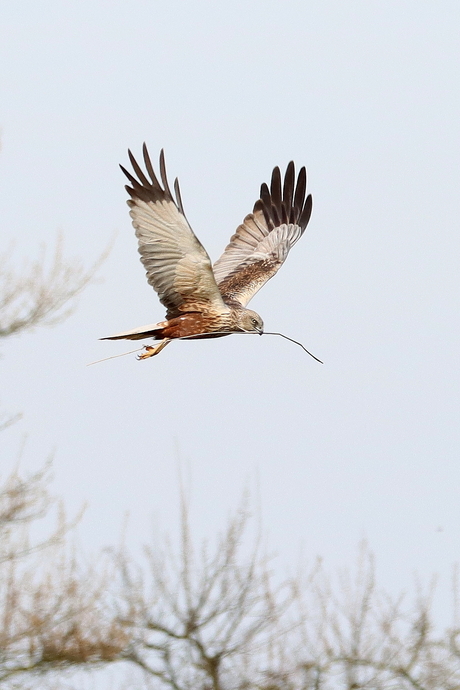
(254,322)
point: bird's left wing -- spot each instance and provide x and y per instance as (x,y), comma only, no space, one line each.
(177,265)
(261,244)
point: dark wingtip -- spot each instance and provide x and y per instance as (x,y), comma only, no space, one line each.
(286,205)
(164,177)
(290,172)
(130,177)
(275,186)
(288,190)
(178,196)
(306,212)
(150,190)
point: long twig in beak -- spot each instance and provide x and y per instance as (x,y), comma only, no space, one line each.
(198,335)
(296,342)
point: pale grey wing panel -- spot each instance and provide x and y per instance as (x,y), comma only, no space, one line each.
(242,284)
(243,243)
(261,244)
(177,265)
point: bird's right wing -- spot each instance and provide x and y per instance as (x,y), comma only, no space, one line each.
(177,265)
(262,242)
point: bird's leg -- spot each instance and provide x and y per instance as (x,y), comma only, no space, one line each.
(150,350)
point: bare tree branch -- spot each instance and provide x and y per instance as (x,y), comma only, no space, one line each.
(42,294)
(54,613)
(195,621)
(206,619)
(217,622)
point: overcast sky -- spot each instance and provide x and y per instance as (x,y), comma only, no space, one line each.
(366,95)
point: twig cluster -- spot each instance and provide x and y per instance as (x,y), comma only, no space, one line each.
(53,612)
(42,293)
(209,618)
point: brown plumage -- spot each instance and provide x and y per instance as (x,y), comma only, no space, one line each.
(204,300)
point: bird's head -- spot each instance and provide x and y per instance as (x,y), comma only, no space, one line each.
(250,321)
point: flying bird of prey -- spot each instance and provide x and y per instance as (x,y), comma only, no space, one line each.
(203,300)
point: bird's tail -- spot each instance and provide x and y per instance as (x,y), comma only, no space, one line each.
(154,330)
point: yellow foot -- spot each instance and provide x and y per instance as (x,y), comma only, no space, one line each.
(150,351)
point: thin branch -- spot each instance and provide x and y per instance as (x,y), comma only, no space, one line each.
(40,294)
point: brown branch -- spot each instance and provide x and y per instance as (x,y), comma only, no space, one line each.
(42,295)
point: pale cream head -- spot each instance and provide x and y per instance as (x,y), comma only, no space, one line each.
(251,321)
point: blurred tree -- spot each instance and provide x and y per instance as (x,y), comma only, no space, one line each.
(40,294)
(204,619)
(53,611)
(215,620)
(207,620)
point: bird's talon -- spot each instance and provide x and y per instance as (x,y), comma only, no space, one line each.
(149,351)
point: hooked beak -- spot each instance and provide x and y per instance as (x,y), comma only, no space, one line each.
(260,331)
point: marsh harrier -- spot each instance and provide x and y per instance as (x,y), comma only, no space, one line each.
(203,300)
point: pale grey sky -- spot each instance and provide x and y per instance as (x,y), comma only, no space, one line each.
(366,95)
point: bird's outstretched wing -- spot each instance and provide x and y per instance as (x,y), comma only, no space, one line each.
(177,265)
(261,244)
